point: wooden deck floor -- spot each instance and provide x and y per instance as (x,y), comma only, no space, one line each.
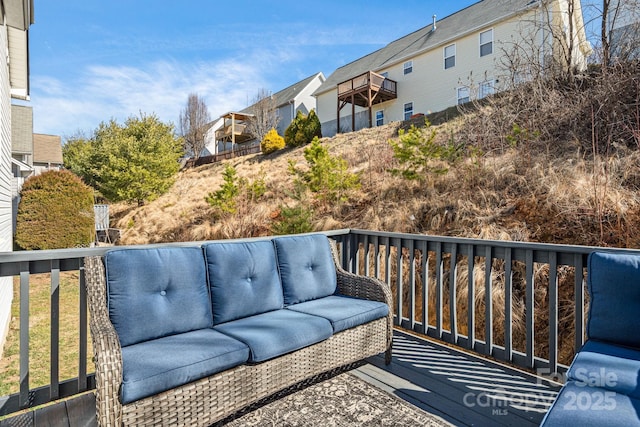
(461,388)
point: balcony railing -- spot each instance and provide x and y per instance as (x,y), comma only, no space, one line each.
(383,88)
(510,325)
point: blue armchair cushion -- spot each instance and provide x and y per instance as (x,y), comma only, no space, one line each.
(155,366)
(243,278)
(608,366)
(156,292)
(343,312)
(306,267)
(614,288)
(273,334)
(577,405)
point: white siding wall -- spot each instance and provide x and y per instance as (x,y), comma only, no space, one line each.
(431,87)
(6,233)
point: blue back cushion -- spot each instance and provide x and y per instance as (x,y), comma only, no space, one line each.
(306,267)
(157,292)
(614,288)
(243,278)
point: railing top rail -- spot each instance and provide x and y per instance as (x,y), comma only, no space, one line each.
(552,247)
(78,253)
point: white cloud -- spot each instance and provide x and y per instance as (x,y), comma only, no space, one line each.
(102,92)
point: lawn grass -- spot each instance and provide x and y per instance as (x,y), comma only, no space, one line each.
(40,333)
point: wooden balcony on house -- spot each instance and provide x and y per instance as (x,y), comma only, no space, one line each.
(447,360)
(367,89)
(235,128)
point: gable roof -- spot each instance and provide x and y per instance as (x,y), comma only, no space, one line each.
(47,149)
(290,93)
(468,20)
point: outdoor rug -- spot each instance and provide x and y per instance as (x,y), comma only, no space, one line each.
(340,401)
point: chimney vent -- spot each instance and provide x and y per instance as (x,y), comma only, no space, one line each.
(433,28)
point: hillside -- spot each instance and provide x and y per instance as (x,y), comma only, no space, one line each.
(568,181)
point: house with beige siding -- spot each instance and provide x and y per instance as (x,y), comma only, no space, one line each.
(450,61)
(17,16)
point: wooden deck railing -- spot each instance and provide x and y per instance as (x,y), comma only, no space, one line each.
(377,82)
(534,319)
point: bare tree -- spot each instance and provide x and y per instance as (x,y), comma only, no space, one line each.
(265,118)
(619,30)
(194,122)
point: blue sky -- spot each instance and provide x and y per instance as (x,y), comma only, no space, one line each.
(94,60)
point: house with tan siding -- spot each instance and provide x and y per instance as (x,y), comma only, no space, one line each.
(17,16)
(449,61)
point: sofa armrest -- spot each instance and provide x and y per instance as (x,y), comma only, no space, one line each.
(365,287)
(106,346)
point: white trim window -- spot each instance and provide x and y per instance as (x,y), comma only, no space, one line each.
(379,117)
(486,89)
(449,56)
(408,110)
(408,67)
(463,95)
(486,43)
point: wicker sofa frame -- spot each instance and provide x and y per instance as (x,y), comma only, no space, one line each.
(211,399)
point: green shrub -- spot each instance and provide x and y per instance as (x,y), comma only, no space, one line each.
(234,190)
(272,142)
(225,198)
(55,211)
(293,220)
(303,129)
(419,154)
(328,176)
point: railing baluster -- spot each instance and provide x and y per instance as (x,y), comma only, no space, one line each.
(508,306)
(579,302)
(55,331)
(471,299)
(387,261)
(425,287)
(488,301)
(24,334)
(376,259)
(399,271)
(529,319)
(453,317)
(82,351)
(439,286)
(367,264)
(412,284)
(553,312)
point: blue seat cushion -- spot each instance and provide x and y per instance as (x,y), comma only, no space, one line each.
(155,366)
(577,405)
(155,292)
(273,334)
(244,280)
(613,282)
(306,267)
(608,366)
(343,312)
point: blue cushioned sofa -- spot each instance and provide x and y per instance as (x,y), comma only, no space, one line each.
(603,382)
(190,335)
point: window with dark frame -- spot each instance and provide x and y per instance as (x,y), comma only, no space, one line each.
(379,118)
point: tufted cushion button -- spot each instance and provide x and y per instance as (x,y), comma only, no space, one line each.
(248,279)
(163,293)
